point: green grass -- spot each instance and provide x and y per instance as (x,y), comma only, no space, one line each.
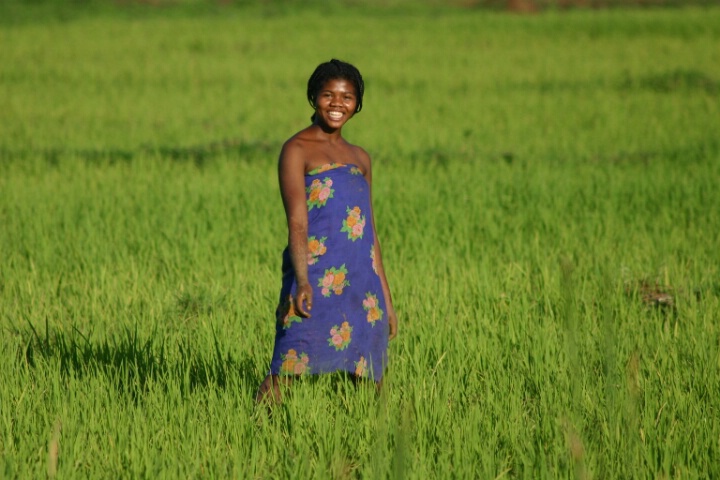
(535,179)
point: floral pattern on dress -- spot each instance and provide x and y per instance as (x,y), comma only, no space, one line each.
(334,281)
(316,248)
(292,364)
(354,224)
(287,314)
(340,268)
(340,336)
(325,168)
(372,257)
(372,307)
(361,367)
(319,192)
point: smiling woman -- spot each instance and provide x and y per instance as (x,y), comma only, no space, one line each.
(335,104)
(524,212)
(337,71)
(332,244)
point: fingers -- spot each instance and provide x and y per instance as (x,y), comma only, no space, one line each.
(303,298)
(393,329)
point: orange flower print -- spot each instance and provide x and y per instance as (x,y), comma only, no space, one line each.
(316,248)
(325,168)
(345,331)
(372,257)
(293,364)
(334,280)
(287,314)
(319,192)
(355,171)
(338,283)
(353,224)
(361,367)
(372,307)
(340,336)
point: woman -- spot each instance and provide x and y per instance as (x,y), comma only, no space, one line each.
(335,311)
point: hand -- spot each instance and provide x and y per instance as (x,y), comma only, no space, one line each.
(392,323)
(304,294)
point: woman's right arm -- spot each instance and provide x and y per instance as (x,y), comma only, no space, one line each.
(291,175)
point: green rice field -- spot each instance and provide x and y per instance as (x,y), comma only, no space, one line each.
(546,191)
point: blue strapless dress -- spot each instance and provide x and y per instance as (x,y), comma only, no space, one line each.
(348,328)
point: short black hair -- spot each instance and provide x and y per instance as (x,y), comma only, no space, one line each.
(332,70)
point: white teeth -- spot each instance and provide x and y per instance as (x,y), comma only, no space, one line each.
(335,115)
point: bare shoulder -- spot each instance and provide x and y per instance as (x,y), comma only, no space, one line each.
(296,143)
(294,150)
(362,159)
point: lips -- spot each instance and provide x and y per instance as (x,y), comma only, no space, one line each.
(335,115)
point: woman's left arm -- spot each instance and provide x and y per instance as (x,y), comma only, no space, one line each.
(391,316)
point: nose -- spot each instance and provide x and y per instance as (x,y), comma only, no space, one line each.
(335,100)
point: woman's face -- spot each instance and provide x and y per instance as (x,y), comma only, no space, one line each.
(336,103)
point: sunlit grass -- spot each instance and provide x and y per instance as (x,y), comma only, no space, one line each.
(538,186)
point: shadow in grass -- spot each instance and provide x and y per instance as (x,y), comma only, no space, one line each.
(199,155)
(699,152)
(200,301)
(133,363)
(678,80)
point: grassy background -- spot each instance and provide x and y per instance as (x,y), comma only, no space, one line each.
(535,179)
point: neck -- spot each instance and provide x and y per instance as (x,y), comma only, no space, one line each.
(332,133)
